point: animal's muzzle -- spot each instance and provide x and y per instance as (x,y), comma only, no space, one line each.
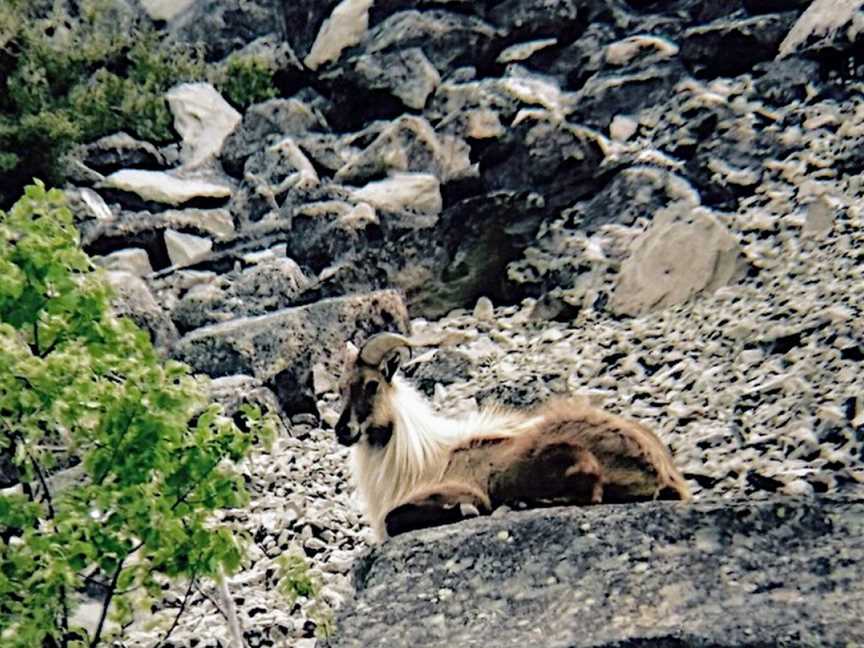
(346,433)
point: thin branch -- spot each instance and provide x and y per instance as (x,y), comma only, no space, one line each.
(64,627)
(192,488)
(210,598)
(109,595)
(47,496)
(179,613)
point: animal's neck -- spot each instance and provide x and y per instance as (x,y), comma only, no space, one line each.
(416,453)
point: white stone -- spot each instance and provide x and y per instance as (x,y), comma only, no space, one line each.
(163,187)
(204,120)
(346,26)
(484,310)
(132,260)
(522,51)
(623,127)
(624,51)
(305,176)
(165,9)
(821,19)
(186,249)
(417,192)
(820,217)
(97,205)
(684,252)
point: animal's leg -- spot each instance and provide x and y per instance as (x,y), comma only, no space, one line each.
(435,505)
(548,471)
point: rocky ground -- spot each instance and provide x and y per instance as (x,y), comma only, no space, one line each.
(656,205)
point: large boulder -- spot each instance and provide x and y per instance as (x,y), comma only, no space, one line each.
(774,573)
(281,348)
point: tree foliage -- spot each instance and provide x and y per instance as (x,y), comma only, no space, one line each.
(84,394)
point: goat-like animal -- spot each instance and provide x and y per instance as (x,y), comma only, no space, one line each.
(414,468)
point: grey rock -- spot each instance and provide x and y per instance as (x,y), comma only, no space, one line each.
(134,260)
(119,151)
(271,285)
(753,40)
(821,26)
(232,392)
(203,118)
(736,573)
(407,75)
(409,144)
(608,94)
(226,26)
(134,299)
(271,121)
(145,230)
(554,159)
(446,366)
(684,252)
(281,348)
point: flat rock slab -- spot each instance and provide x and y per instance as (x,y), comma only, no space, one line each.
(281,348)
(726,573)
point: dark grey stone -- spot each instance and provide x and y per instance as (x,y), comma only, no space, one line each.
(266,123)
(280,348)
(786,572)
(225,26)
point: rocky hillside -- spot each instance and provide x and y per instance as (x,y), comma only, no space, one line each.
(655,204)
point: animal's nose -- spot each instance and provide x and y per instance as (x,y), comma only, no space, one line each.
(344,433)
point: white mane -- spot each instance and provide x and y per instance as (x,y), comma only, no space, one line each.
(419,449)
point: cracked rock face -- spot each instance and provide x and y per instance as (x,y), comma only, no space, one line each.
(656,206)
(650,575)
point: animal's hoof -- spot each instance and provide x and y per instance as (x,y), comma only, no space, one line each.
(469,510)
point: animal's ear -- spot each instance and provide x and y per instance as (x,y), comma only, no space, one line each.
(391,362)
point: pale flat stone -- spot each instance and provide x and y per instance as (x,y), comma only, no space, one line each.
(165,9)
(417,192)
(822,18)
(624,51)
(204,120)
(132,260)
(97,205)
(217,222)
(623,127)
(522,51)
(684,252)
(163,187)
(345,27)
(186,249)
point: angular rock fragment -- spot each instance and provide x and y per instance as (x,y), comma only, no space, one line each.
(281,348)
(346,26)
(186,249)
(684,252)
(821,23)
(269,121)
(135,300)
(414,192)
(203,118)
(161,187)
(410,144)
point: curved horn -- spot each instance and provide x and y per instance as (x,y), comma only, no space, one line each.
(379,345)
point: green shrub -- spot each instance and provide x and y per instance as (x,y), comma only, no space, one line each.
(70,79)
(297,581)
(245,80)
(83,390)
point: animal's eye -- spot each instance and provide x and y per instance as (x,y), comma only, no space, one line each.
(370,388)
